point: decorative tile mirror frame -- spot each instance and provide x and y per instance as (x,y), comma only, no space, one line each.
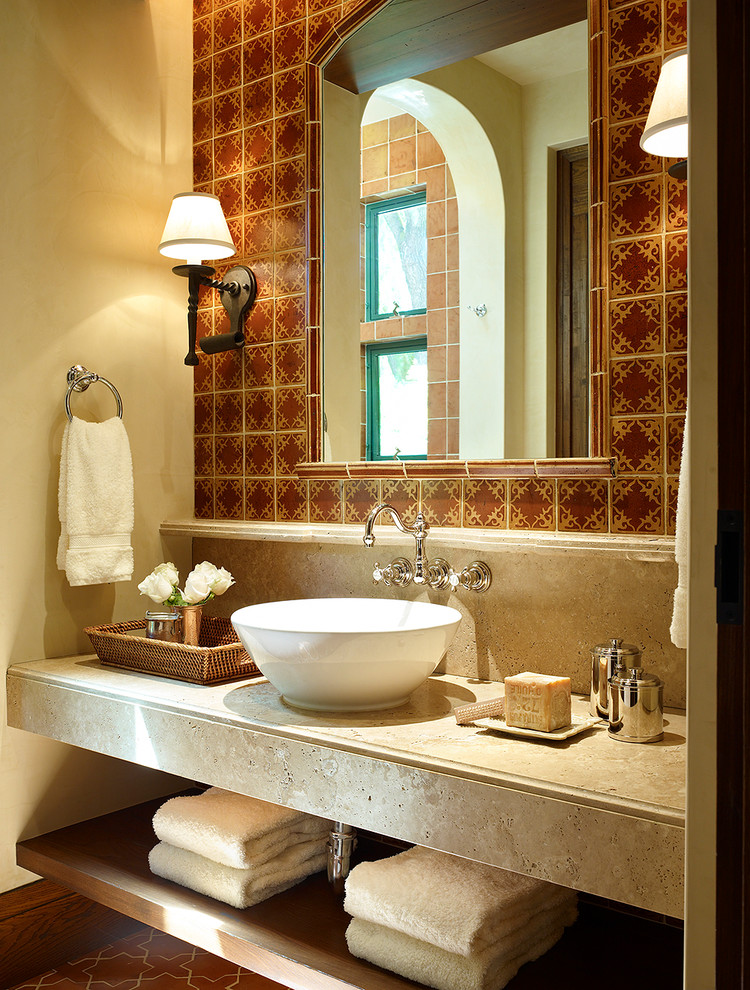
(257,145)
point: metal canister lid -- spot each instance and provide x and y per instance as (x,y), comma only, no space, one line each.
(624,654)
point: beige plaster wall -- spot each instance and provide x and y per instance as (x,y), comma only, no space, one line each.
(95,100)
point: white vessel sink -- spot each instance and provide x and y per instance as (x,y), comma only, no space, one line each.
(346,654)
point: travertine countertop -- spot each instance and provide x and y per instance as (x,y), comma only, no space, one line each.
(536,806)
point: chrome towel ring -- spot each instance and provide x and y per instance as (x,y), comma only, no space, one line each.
(79,380)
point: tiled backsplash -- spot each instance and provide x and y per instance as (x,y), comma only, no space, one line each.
(257,412)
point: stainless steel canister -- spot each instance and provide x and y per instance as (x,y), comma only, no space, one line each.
(605,658)
(164,626)
(636,711)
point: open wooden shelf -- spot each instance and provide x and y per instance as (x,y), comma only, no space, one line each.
(297,938)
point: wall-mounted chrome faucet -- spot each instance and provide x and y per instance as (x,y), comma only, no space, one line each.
(436,574)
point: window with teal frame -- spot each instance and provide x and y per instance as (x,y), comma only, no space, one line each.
(396,256)
(396,391)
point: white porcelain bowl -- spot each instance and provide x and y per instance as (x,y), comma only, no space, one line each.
(346,654)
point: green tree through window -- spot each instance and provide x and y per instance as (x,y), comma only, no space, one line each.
(396,256)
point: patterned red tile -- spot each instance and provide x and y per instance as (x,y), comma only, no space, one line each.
(203,455)
(484,503)
(227,69)
(320,28)
(259,455)
(291,501)
(228,504)
(637,445)
(204,498)
(326,501)
(228,412)
(676,382)
(228,371)
(259,409)
(290,451)
(673,485)
(637,386)
(203,372)
(289,91)
(202,38)
(259,231)
(531,503)
(290,181)
(290,408)
(263,269)
(676,329)
(229,192)
(635,267)
(676,202)
(204,413)
(203,120)
(583,505)
(290,273)
(202,79)
(675,431)
(638,505)
(290,136)
(635,207)
(290,317)
(631,89)
(122,970)
(258,17)
(227,155)
(259,145)
(259,325)
(676,261)
(288,10)
(259,366)
(635,326)
(260,500)
(441,501)
(359,498)
(627,160)
(290,363)
(259,189)
(229,455)
(289,227)
(257,101)
(227,24)
(257,57)
(203,164)
(289,46)
(635,31)
(675,27)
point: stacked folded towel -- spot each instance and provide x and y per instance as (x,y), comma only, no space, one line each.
(235,848)
(449,922)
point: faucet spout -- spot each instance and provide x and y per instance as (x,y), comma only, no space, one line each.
(419,531)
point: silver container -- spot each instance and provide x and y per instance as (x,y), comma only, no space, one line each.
(636,712)
(165,626)
(605,659)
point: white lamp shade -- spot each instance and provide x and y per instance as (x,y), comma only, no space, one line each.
(666,131)
(196,229)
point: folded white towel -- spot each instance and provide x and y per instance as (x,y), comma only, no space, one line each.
(240,888)
(426,963)
(95,503)
(450,902)
(234,829)
(679,626)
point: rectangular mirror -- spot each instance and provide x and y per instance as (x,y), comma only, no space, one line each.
(495,281)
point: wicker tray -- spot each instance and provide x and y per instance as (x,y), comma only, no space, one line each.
(220,656)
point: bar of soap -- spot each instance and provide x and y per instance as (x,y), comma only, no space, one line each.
(537,701)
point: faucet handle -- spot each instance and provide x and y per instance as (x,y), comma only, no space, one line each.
(399,572)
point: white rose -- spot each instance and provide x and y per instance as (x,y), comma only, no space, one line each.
(197,588)
(156,587)
(221,581)
(169,571)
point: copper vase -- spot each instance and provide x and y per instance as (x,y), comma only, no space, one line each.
(191,624)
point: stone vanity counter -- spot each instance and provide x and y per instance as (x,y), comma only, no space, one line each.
(591,813)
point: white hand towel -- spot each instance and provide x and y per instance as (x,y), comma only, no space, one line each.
(453,903)
(234,829)
(240,888)
(678,628)
(95,502)
(426,963)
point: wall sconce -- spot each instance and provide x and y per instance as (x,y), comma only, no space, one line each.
(196,229)
(666,131)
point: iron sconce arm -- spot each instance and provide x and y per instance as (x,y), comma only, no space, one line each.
(237,293)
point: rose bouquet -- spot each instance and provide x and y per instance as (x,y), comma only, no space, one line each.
(203,583)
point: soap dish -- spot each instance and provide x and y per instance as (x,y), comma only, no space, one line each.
(579,723)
